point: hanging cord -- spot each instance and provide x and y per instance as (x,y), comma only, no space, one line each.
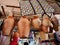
(32,7)
(43,9)
(42,14)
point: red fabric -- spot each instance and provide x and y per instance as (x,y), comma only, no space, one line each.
(14,42)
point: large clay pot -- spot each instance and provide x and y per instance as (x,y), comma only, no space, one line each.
(24,27)
(46,23)
(36,22)
(8,25)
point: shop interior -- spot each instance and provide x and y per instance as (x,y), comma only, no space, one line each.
(29,22)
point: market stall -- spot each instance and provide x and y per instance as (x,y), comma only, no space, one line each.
(30,23)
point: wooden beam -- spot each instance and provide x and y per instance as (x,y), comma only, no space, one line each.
(56,13)
(3,11)
(12,6)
